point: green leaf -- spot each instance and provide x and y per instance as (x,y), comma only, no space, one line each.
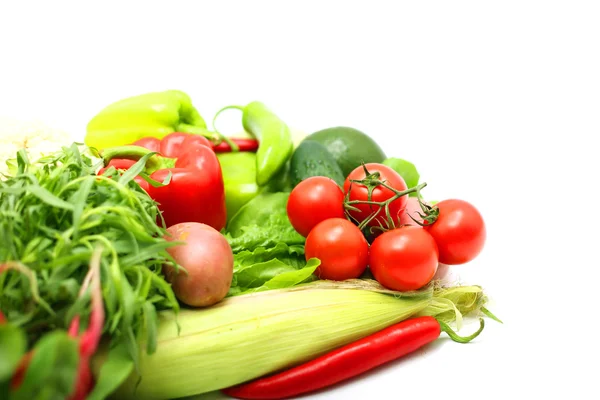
(407,171)
(258,274)
(264,268)
(48,198)
(151,327)
(292,255)
(155,183)
(79,200)
(277,230)
(258,211)
(262,222)
(13,345)
(112,373)
(135,169)
(53,369)
(290,278)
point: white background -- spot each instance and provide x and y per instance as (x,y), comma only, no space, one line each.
(497,103)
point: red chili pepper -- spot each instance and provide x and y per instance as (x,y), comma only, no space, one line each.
(249,145)
(2,319)
(195,193)
(348,361)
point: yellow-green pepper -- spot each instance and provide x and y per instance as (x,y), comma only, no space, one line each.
(275,141)
(154,114)
(239,177)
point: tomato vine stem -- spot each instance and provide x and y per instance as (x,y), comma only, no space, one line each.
(371,182)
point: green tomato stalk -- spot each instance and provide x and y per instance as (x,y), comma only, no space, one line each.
(372,181)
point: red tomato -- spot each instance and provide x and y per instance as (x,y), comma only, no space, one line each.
(404,259)
(459,231)
(313,200)
(380,193)
(341,247)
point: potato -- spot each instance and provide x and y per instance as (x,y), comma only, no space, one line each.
(208,260)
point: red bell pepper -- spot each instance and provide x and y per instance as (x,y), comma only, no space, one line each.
(195,192)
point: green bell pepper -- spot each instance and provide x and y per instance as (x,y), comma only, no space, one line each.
(154,114)
(239,177)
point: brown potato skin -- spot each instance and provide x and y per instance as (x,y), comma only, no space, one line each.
(208,259)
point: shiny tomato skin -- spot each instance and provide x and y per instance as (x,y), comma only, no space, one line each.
(379,194)
(341,247)
(459,231)
(404,259)
(313,200)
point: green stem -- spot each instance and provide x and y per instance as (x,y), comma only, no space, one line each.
(131,152)
(33,283)
(461,339)
(233,145)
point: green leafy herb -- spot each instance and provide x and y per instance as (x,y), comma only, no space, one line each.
(53,214)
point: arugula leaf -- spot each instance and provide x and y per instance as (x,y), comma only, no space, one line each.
(53,213)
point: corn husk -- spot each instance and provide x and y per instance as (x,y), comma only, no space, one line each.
(249,336)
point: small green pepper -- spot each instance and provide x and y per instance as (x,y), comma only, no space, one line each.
(239,177)
(154,114)
(275,140)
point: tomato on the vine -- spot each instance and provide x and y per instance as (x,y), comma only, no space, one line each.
(313,200)
(360,192)
(459,231)
(341,247)
(404,259)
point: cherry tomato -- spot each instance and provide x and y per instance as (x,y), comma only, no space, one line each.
(313,200)
(379,194)
(341,247)
(404,259)
(459,231)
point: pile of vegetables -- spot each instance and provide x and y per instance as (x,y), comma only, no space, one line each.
(163,259)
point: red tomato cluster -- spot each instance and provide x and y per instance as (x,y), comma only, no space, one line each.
(403,258)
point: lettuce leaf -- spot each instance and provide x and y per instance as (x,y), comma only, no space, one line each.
(262,222)
(291,255)
(276,229)
(268,252)
(272,274)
